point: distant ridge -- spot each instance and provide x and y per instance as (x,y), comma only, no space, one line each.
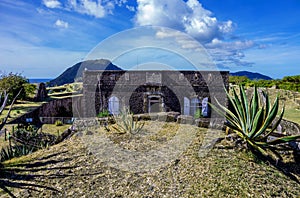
(69,75)
(251,75)
(39,80)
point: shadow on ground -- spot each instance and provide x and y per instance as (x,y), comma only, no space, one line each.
(23,175)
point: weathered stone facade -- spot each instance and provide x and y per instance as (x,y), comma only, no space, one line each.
(53,109)
(151,91)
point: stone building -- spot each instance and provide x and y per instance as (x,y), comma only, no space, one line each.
(185,92)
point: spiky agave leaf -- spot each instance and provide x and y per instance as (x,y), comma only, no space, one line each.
(251,122)
(125,123)
(271,115)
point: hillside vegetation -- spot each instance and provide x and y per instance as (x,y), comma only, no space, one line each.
(287,83)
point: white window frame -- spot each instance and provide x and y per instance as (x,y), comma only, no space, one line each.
(114,105)
(195,104)
(186,106)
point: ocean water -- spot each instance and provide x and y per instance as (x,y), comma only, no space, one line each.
(39,80)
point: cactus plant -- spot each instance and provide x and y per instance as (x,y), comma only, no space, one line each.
(125,123)
(254,121)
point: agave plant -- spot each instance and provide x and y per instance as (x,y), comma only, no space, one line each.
(15,151)
(125,123)
(254,121)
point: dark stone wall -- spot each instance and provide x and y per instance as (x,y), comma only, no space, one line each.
(55,108)
(134,88)
(136,101)
(171,100)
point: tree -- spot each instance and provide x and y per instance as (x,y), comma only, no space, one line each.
(238,80)
(13,83)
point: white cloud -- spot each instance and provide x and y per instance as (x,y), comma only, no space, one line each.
(130,8)
(193,19)
(61,24)
(119,2)
(234,45)
(52,3)
(189,17)
(89,7)
(229,53)
(182,39)
(95,8)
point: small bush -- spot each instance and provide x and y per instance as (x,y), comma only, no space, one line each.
(58,123)
(103,114)
(15,151)
(198,114)
(24,140)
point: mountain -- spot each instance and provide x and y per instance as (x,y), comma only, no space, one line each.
(251,75)
(69,75)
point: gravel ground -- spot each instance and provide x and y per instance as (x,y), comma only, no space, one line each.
(96,163)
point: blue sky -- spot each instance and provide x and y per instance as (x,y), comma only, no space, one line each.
(43,38)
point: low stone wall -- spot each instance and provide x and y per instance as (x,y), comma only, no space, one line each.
(54,108)
(288,127)
(84,124)
(218,123)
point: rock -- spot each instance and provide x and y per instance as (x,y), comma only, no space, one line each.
(202,122)
(89,133)
(185,119)
(295,145)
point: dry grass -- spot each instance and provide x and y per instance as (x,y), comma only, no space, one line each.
(65,91)
(72,169)
(20,108)
(53,129)
(287,99)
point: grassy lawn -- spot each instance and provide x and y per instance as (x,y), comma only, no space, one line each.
(46,128)
(75,168)
(20,108)
(52,129)
(287,99)
(67,90)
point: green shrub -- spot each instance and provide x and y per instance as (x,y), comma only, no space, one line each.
(102,114)
(252,121)
(58,123)
(15,151)
(198,114)
(25,140)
